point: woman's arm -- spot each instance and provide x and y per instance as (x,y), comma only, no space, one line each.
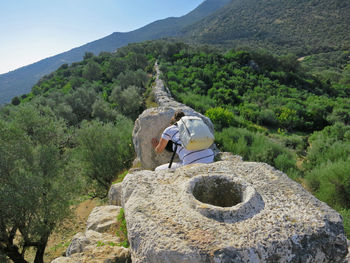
(159,146)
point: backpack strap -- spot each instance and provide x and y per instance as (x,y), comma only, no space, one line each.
(173,156)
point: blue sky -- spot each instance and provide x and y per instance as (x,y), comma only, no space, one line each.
(31,30)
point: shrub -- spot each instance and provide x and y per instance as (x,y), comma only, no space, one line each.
(330,182)
(198,102)
(268,118)
(222,118)
(105,150)
(255,147)
(345,213)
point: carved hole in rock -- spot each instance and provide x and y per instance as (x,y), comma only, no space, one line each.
(218,192)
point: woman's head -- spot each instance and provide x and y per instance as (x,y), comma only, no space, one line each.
(177,116)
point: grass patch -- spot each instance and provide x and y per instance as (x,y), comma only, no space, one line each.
(120,177)
(122,231)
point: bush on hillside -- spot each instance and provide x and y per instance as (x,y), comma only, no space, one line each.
(197,102)
(105,150)
(330,182)
(255,147)
(221,118)
(345,213)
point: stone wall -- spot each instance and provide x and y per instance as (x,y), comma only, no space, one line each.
(151,123)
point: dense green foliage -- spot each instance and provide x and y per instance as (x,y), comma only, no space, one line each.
(266,90)
(34,194)
(274,110)
(105,150)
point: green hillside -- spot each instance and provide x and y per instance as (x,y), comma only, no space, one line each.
(20,81)
(274,110)
(299,26)
(70,137)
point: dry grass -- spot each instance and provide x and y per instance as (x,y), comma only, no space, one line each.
(61,237)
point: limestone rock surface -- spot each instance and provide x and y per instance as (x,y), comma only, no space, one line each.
(103,254)
(102,218)
(63,260)
(85,241)
(184,216)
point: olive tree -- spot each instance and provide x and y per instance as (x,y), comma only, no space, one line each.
(129,101)
(35,190)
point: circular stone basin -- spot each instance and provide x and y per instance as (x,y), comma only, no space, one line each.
(218,191)
(223,197)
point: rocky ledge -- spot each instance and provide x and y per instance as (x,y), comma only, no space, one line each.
(228,211)
(99,243)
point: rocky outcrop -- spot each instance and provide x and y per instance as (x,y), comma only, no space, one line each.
(347,259)
(98,254)
(228,211)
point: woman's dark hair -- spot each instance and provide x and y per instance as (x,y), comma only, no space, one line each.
(177,116)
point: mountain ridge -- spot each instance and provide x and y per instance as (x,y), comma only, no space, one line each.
(301,27)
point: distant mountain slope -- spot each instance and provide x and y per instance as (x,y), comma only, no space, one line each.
(21,80)
(299,26)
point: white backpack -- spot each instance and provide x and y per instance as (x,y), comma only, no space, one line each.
(194,133)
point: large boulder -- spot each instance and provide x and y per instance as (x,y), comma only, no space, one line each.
(99,243)
(228,211)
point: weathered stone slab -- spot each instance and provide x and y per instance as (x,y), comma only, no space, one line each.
(63,260)
(102,218)
(103,254)
(88,240)
(267,217)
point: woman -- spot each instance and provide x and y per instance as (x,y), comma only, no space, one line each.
(185,156)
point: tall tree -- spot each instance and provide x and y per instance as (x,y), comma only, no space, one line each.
(34,188)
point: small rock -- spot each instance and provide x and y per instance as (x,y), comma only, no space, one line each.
(115,194)
(77,245)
